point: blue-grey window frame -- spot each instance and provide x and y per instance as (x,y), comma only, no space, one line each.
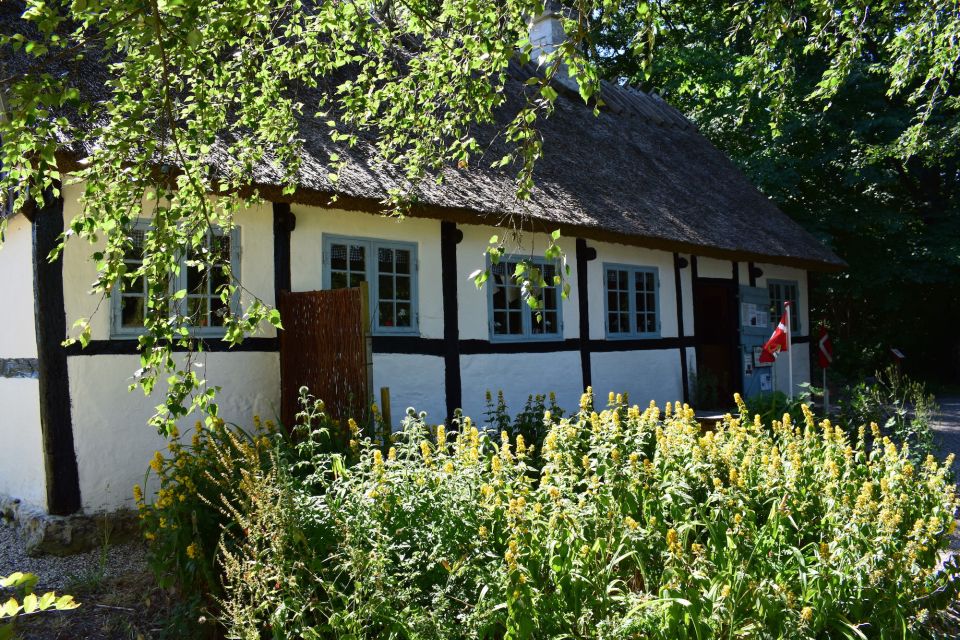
(373,282)
(177,282)
(794,312)
(527,317)
(633,333)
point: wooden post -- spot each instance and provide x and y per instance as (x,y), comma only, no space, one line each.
(367,340)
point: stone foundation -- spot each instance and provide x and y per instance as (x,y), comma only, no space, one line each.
(43,533)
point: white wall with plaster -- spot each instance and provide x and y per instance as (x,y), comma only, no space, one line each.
(22,471)
(80,273)
(643,375)
(415,381)
(519,375)
(306,253)
(714,268)
(621,254)
(112,440)
(474,303)
(17,329)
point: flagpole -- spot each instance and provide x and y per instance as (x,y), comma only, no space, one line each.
(789,351)
(826,394)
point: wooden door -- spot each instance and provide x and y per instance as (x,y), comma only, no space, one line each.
(717,342)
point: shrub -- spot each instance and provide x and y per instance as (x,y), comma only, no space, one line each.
(198,488)
(638,524)
(902,407)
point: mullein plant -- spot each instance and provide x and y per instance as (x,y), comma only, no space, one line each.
(629,523)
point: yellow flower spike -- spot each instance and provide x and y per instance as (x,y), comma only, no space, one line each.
(193,550)
(875,429)
(806,614)
(354,445)
(441,437)
(586,462)
(521,444)
(611,398)
(448,467)
(734,476)
(631,523)
(392,454)
(137,493)
(425,451)
(496,465)
(353,426)
(615,455)
(668,411)
(256,421)
(174,432)
(547,416)
(377,458)
(483,532)
(157,462)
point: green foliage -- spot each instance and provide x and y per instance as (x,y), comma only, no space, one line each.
(188,82)
(628,524)
(195,496)
(901,407)
(850,125)
(528,423)
(24,602)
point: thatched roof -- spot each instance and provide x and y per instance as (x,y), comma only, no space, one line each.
(639,173)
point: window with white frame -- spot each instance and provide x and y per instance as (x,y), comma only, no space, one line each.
(201,276)
(632,301)
(511,317)
(780,292)
(390,271)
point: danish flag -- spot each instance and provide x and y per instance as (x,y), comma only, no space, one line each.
(779,341)
(824,348)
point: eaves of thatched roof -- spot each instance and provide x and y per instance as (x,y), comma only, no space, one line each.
(639,173)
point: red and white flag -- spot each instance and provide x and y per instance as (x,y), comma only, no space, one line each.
(824,348)
(779,341)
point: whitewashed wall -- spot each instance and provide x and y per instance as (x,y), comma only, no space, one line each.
(112,440)
(22,473)
(306,252)
(519,375)
(473,302)
(79,269)
(18,338)
(415,381)
(643,375)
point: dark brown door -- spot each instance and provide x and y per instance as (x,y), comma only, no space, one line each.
(715,326)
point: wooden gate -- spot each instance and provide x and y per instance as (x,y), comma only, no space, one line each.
(325,346)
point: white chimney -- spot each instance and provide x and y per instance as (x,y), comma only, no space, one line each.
(546,31)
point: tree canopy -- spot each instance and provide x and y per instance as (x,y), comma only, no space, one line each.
(859,145)
(782,85)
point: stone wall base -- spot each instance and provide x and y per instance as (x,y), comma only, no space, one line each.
(43,533)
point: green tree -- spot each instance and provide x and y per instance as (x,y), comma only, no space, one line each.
(182,81)
(858,142)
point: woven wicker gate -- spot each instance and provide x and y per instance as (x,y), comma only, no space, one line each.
(325,346)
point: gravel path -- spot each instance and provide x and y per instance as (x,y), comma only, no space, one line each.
(118,597)
(61,573)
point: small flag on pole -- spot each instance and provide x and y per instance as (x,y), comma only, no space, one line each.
(824,349)
(780,340)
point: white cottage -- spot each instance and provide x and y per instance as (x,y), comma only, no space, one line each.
(678,265)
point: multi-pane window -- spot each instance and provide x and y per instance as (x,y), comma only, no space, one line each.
(631,305)
(133,293)
(780,292)
(511,316)
(389,269)
(201,276)
(205,279)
